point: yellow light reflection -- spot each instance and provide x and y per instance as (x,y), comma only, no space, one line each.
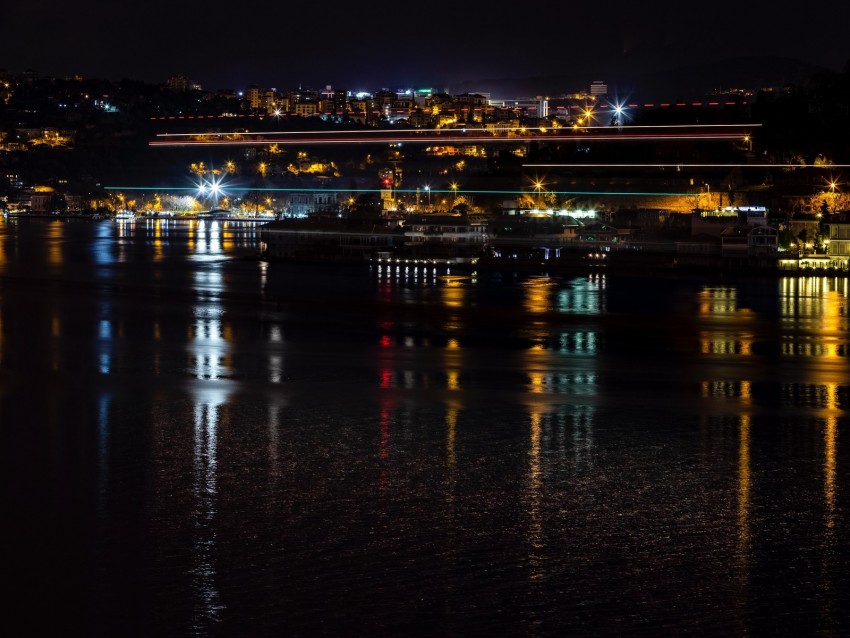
(54,243)
(453,297)
(157,241)
(452,410)
(454,293)
(746,394)
(744,485)
(720,304)
(537,382)
(535,487)
(834,307)
(829,471)
(453,379)
(56,333)
(538,295)
(227,239)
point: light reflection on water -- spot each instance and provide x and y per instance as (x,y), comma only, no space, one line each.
(268,448)
(208,605)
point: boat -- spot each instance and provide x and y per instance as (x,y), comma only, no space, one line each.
(123,215)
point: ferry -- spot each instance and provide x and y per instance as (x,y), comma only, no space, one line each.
(123,215)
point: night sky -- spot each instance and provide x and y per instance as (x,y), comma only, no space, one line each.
(370,45)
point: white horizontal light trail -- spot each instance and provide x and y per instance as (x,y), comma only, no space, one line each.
(606,165)
(397,190)
(622,137)
(455,130)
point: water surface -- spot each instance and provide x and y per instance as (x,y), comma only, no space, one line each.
(195,443)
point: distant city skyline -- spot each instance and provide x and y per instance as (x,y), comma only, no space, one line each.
(359,47)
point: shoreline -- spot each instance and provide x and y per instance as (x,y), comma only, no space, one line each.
(577,270)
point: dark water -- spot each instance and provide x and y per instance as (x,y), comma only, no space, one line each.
(198,444)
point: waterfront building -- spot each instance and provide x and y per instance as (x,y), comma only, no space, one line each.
(459,233)
(838,247)
(745,241)
(601,234)
(326,240)
(302,204)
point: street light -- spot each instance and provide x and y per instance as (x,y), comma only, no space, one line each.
(538,186)
(619,115)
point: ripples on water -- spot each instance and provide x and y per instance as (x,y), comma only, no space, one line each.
(196,444)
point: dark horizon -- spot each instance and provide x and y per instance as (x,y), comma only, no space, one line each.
(361,48)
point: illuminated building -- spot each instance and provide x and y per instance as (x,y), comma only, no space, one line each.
(306,108)
(598,89)
(445,236)
(332,240)
(178,83)
(838,247)
(253,96)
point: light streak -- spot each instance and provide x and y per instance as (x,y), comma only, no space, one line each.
(455,130)
(277,114)
(477,139)
(399,190)
(675,165)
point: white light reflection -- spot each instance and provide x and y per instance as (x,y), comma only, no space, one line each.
(209,399)
(264,276)
(105,346)
(423,275)
(102,451)
(275,368)
(275,361)
(209,348)
(103,245)
(274,438)
(582,296)
(210,337)
(582,417)
(208,245)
